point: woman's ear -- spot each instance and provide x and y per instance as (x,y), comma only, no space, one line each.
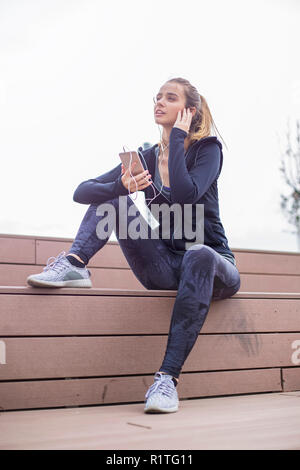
(193,110)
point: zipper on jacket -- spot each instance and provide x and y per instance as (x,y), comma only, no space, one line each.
(173,234)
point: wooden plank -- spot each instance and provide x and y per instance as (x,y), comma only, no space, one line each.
(291,378)
(115,279)
(68,239)
(256,421)
(27,290)
(269,283)
(17,250)
(268,262)
(77,392)
(34,237)
(61,315)
(53,357)
(16,275)
(110,256)
(55,315)
(248,261)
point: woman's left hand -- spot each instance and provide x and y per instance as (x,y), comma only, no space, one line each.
(184,122)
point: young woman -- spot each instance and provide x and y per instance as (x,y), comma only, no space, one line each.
(183,169)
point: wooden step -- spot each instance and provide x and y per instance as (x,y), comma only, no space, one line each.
(20,249)
(26,311)
(265,421)
(16,275)
(73,347)
(65,392)
(260,271)
(70,347)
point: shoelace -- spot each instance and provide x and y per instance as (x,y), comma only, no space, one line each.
(54,264)
(164,385)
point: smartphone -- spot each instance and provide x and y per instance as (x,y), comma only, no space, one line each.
(127,157)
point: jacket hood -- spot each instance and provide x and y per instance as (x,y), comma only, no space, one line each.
(193,148)
(200,142)
(195,144)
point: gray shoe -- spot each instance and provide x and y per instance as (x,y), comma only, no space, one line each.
(61,273)
(162,396)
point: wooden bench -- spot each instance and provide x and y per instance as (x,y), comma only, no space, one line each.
(72,347)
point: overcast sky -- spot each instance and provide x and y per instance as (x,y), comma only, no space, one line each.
(76,85)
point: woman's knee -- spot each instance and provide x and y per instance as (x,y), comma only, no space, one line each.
(201,255)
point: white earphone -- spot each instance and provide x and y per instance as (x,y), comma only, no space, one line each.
(146,167)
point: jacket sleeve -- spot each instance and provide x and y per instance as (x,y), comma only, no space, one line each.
(187,187)
(101,189)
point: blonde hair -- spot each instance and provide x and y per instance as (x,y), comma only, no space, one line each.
(202,122)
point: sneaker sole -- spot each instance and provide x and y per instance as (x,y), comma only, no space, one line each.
(74,283)
(156,409)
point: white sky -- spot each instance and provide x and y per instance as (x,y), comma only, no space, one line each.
(76,84)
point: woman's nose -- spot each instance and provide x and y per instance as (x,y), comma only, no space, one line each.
(156,101)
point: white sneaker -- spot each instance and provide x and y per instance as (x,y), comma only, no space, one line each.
(61,273)
(162,396)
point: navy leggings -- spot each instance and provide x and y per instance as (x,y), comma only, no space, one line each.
(199,276)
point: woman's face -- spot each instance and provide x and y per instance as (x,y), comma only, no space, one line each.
(169,100)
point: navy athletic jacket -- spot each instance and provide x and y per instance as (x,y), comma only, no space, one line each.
(193,180)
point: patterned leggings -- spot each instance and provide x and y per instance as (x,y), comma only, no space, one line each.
(199,275)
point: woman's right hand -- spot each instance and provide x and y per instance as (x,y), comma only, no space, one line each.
(142,180)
